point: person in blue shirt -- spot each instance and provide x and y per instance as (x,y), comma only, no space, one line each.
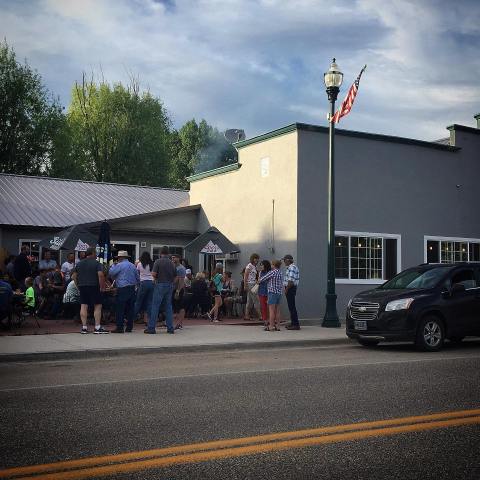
(126,277)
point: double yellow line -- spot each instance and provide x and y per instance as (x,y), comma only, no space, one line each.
(94,467)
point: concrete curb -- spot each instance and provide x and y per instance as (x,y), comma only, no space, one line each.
(111,352)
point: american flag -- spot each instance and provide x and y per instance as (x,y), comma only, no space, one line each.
(348,102)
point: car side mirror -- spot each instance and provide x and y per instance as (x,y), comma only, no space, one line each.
(457,288)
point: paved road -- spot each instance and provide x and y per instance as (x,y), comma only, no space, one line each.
(70,410)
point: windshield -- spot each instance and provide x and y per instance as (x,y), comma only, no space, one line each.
(415,279)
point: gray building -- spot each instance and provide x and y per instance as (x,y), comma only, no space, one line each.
(399,202)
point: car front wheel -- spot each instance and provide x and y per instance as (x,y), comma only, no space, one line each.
(430,334)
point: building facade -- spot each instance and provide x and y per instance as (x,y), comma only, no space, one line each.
(399,202)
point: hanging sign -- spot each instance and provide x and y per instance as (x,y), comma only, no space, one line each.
(211,247)
(56,243)
(81,246)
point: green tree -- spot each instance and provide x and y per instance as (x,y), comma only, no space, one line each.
(118,134)
(198,147)
(30,118)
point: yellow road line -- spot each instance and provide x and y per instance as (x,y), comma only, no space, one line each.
(220,448)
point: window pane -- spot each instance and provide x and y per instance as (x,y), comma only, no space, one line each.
(366,258)
(474,252)
(34,252)
(390,257)
(446,252)
(341,257)
(453,252)
(375,252)
(433,251)
(175,251)
(171,250)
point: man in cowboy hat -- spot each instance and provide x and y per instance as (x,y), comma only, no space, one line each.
(126,277)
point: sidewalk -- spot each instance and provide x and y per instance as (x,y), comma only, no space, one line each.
(190,338)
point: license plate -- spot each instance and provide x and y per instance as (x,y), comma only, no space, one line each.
(360,324)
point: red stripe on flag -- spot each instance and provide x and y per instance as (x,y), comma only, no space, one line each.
(349,99)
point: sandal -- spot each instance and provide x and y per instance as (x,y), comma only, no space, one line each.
(276,329)
(267,329)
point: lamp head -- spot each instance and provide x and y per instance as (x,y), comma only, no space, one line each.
(333,79)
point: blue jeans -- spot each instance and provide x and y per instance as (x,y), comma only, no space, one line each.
(144,297)
(162,299)
(124,306)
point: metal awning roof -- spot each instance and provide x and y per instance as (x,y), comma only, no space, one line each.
(53,202)
(213,242)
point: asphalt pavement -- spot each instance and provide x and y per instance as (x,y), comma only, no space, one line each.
(57,411)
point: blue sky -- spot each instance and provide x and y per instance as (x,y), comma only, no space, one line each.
(258,65)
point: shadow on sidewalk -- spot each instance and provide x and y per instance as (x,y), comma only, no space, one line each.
(51,327)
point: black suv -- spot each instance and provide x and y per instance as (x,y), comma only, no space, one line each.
(424,304)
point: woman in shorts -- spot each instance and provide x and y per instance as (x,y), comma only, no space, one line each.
(275,290)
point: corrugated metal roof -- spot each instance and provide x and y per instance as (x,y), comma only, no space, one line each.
(53,202)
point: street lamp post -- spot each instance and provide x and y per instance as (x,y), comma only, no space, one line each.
(333,79)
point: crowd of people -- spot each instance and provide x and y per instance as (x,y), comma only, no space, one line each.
(146,292)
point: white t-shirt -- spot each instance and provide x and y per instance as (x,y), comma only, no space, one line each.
(145,273)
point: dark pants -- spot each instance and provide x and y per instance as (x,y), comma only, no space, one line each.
(124,306)
(292,291)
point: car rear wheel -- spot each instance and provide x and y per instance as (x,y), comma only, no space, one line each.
(367,342)
(430,334)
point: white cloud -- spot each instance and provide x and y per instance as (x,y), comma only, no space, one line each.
(259,65)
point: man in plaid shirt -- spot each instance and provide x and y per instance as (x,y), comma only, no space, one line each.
(290,284)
